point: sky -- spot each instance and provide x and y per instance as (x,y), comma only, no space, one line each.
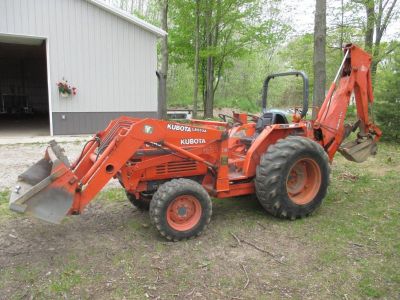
(301,15)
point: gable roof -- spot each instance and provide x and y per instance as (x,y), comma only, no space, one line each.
(128,17)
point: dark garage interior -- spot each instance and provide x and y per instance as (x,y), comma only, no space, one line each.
(24,101)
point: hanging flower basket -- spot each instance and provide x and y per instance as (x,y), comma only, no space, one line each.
(65,89)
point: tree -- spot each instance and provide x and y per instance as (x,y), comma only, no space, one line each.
(212,32)
(387,94)
(228,29)
(379,14)
(231,28)
(291,60)
(163,74)
(319,53)
(196,59)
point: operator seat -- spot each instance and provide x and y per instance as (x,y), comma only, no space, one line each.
(270,118)
(267,119)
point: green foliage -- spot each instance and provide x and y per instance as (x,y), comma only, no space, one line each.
(180,85)
(241,84)
(245,105)
(255,40)
(240,32)
(387,94)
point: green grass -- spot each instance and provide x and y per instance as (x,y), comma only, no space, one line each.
(364,217)
(113,195)
(69,277)
(5,213)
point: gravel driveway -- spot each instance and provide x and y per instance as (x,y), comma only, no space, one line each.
(16,158)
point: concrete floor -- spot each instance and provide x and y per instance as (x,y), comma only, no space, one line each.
(23,126)
(30,130)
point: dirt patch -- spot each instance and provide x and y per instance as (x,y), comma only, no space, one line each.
(112,248)
(346,175)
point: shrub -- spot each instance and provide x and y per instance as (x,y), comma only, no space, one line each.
(387,94)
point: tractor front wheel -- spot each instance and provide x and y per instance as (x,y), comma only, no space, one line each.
(292,178)
(143,203)
(180,209)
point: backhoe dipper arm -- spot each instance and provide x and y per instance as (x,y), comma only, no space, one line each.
(354,76)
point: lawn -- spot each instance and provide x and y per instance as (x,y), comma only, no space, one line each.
(349,249)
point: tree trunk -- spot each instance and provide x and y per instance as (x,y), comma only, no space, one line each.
(341,42)
(379,15)
(369,29)
(208,113)
(203,84)
(162,97)
(319,53)
(209,104)
(196,60)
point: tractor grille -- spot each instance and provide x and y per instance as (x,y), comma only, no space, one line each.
(176,167)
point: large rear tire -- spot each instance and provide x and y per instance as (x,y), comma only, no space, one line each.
(292,178)
(180,209)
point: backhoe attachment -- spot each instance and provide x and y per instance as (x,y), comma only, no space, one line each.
(352,78)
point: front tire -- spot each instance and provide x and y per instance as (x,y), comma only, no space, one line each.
(180,209)
(143,203)
(292,178)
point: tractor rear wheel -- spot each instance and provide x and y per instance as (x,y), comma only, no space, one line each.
(143,203)
(292,178)
(180,209)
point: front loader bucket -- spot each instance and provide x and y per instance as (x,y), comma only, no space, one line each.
(358,150)
(39,192)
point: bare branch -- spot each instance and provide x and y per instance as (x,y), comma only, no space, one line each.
(394,47)
(389,14)
(247,277)
(236,238)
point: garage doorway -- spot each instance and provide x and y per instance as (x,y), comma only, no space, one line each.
(24,99)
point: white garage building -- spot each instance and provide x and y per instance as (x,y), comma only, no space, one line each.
(108,55)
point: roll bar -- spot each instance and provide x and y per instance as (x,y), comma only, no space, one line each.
(295,73)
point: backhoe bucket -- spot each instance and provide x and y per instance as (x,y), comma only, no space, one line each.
(358,150)
(40,191)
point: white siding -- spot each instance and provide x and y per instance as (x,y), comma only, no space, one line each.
(112,62)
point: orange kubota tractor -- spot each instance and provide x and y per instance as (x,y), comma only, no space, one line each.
(172,168)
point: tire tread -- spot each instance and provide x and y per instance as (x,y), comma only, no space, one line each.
(163,194)
(269,175)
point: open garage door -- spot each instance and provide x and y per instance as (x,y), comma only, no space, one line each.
(24,99)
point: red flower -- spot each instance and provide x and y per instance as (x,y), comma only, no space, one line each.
(64,87)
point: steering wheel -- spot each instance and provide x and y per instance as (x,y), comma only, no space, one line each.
(223,118)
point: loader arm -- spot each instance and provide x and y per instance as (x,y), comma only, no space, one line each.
(353,78)
(52,188)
